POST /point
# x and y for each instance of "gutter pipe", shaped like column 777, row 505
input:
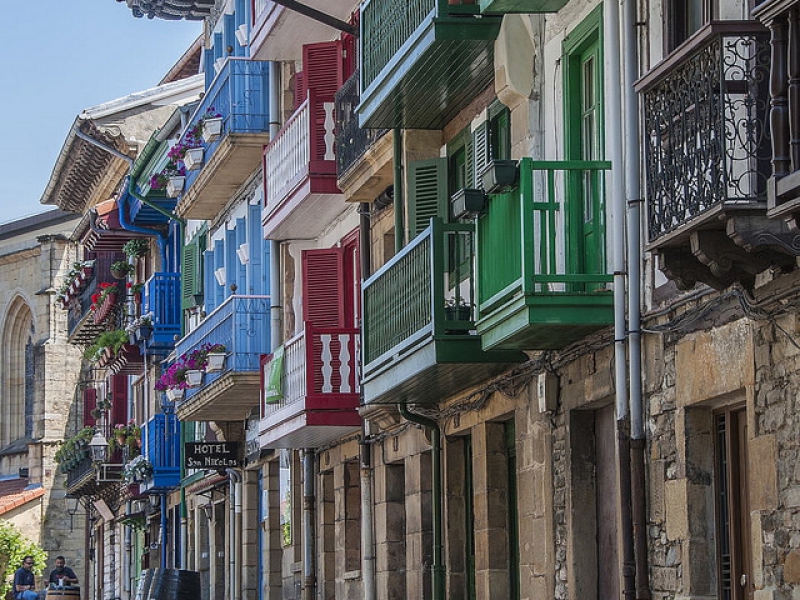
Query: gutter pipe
column 309, row 531
column 399, row 227
column 235, row 520
column 437, row 568
column 368, row 558
column 612, row 39
column 275, row 295
column 634, row 202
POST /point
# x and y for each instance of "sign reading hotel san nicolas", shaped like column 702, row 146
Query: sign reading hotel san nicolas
column 211, row 455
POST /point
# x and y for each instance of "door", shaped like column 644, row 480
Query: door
column 583, row 113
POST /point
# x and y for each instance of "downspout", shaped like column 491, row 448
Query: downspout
column 309, row 518
column 367, row 516
column 235, row 547
column 126, row 562
column 164, row 531
column 634, row 201
column 437, row 568
column 612, row 26
column 399, row 217
column 275, row 295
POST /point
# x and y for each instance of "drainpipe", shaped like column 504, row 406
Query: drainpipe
column 309, row 499
column 275, row 296
column 632, row 184
column 436, row 474
column 235, row 523
column 164, row 531
column 126, row 561
column 367, row 516
column 611, row 19
column 399, row 217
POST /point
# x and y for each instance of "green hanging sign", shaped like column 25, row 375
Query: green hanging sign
column 273, row 386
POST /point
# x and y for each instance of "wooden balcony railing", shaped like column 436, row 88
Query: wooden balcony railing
column 319, row 367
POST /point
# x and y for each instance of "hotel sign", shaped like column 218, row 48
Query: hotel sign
column 211, row 455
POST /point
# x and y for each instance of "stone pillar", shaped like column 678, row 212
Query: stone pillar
column 419, row 532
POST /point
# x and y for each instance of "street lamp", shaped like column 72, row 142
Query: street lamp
column 98, row 446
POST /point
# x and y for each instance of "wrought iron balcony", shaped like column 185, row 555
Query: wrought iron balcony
column 707, row 153
column 363, row 165
column 422, row 61
column 83, row 323
column 161, row 447
column 300, row 173
column 242, row 324
column 415, row 350
column 88, row 478
column 536, row 293
column 320, row 390
column 239, row 93
column 782, row 17
column 161, row 298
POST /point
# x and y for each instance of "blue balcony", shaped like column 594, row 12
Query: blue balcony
column 242, row 324
column 239, row 93
column 162, row 297
column 161, row 445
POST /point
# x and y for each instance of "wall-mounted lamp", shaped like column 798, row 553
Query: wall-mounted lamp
column 98, row 446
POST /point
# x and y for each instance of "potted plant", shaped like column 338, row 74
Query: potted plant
column 212, row 125
column 136, row 247
column 120, row 269
column 457, row 309
column 215, row 357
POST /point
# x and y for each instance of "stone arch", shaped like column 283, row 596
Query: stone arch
column 17, row 379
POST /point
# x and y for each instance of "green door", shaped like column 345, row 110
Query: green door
column 583, row 113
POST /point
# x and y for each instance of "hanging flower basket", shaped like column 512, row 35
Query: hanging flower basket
column 193, row 159
column 175, row 185
column 194, row 377
column 212, row 129
column 216, row 361
column 175, row 394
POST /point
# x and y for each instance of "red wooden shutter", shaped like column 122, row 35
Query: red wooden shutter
column 300, row 89
column 89, row 404
column 323, row 287
column 119, row 399
column 323, row 68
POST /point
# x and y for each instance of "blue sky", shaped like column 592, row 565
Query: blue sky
column 64, row 56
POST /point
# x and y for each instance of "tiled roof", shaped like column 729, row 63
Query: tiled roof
column 16, row 492
column 193, row 10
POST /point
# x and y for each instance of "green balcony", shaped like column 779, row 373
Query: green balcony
column 420, row 344
column 494, row 7
column 542, row 275
column 422, row 61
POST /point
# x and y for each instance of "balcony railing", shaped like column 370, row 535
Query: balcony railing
column 80, row 321
column 162, row 293
column 783, row 19
column 161, row 445
column 240, row 94
column 319, row 368
column 539, row 288
column 242, row 325
column 351, row 140
column 408, row 296
column 92, row 478
column 706, row 126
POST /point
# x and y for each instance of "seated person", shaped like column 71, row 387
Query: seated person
column 62, row 575
column 24, row 581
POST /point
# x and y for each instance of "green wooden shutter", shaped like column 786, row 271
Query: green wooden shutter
column 480, row 155
column 427, row 193
column 192, row 270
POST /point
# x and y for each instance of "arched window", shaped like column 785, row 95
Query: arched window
column 17, row 381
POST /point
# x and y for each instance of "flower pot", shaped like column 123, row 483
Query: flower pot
column 175, row 394
column 119, row 273
column 212, row 129
column 194, row 377
column 175, row 186
column 193, row 158
column 216, row 361
column 144, row 332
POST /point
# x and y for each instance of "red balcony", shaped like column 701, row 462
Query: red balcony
column 319, row 389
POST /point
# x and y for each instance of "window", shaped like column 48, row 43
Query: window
column 684, row 17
